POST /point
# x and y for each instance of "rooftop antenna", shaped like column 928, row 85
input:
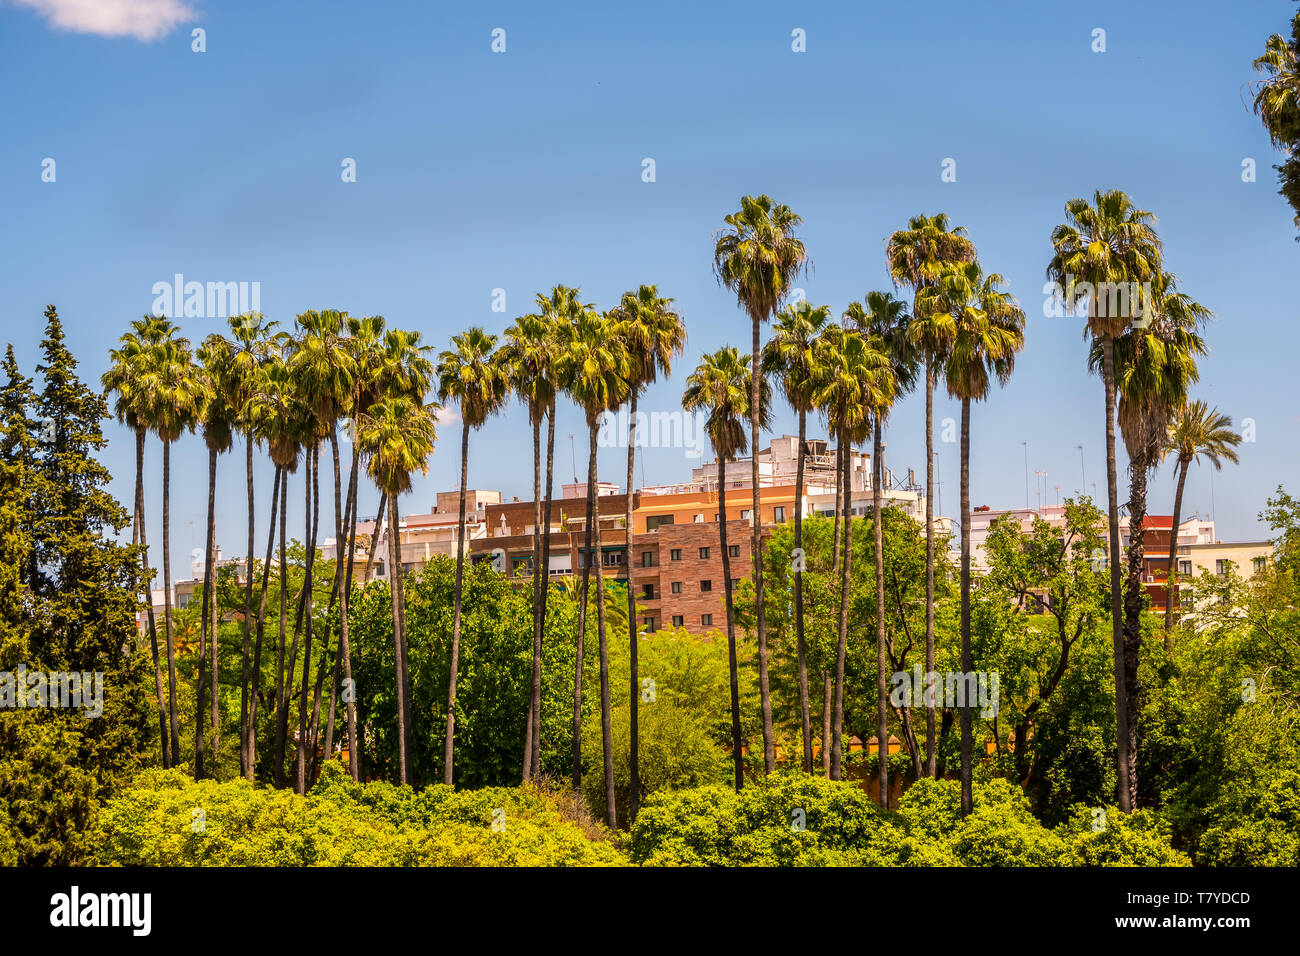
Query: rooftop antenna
column 573, row 455
column 1083, row 471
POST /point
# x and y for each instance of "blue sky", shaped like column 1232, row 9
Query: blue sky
column 519, row 170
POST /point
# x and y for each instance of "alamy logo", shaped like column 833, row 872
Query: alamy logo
column 55, row 689
column 211, row 300
column 102, row 909
column 946, row 689
column 673, row 429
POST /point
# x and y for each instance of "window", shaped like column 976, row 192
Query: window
column 704, row 554
column 778, row 514
column 677, row 587
column 675, row 554
column 699, row 519
column 648, row 592
column 706, row 585
column 1258, row 564
column 649, row 623
column 733, row 550
column 735, row 583
column 678, row 620
column 744, row 515
column 649, row 559
column 1184, row 567
column 706, row 620
column 1221, row 568
column 612, row 559
column 653, row 522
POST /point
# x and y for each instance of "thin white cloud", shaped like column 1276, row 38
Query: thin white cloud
column 446, row 415
column 143, row 19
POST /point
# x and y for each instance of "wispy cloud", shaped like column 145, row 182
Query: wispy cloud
column 143, row 19
column 446, row 415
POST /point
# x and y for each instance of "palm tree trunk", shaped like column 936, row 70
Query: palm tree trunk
column 345, row 521
column 538, row 593
column 1116, row 611
column 399, row 643
column 350, row 696
column 450, row 741
column 582, row 633
column 311, row 516
column 882, row 681
column 733, row 668
column 634, row 768
column 804, row 713
column 835, row 508
column 826, row 724
column 148, row 592
column 245, row 757
column 277, row 776
column 546, row 588
column 1137, row 506
column 967, row 800
column 1171, row 587
column 167, row 603
column 837, row 728
column 929, row 562
column 207, row 632
column 756, row 549
column 374, row 536
column 250, row 731
column 606, row 730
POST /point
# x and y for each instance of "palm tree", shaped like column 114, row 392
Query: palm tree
column 789, row 355
column 248, row 351
column 1155, row 365
column 1196, row 430
column 1277, row 103
column 916, row 257
column 757, row 257
column 989, row 331
column 1104, row 243
column 594, row 370
column 397, row 434
column 125, row 378
column 854, row 379
column 175, row 397
column 885, row 319
column 475, row 378
column 722, row 386
column 277, row 416
column 216, row 415
column 529, row 356
column 653, row 333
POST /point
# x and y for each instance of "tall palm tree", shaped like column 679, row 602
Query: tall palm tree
column 216, row 416
column 277, row 414
column 397, row 435
column 916, row 256
column 125, row 378
column 594, row 371
column 758, row 257
column 653, row 333
column 1277, row 103
column 722, row 386
column 530, row 354
column 854, row 379
column 885, row 319
column 989, row 331
column 175, row 397
column 473, row 376
column 249, row 346
column 1102, row 243
column 1196, row 431
column 789, row 356
column 1155, row 366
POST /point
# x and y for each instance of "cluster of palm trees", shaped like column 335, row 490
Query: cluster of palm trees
column 289, row 392
column 293, row 391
